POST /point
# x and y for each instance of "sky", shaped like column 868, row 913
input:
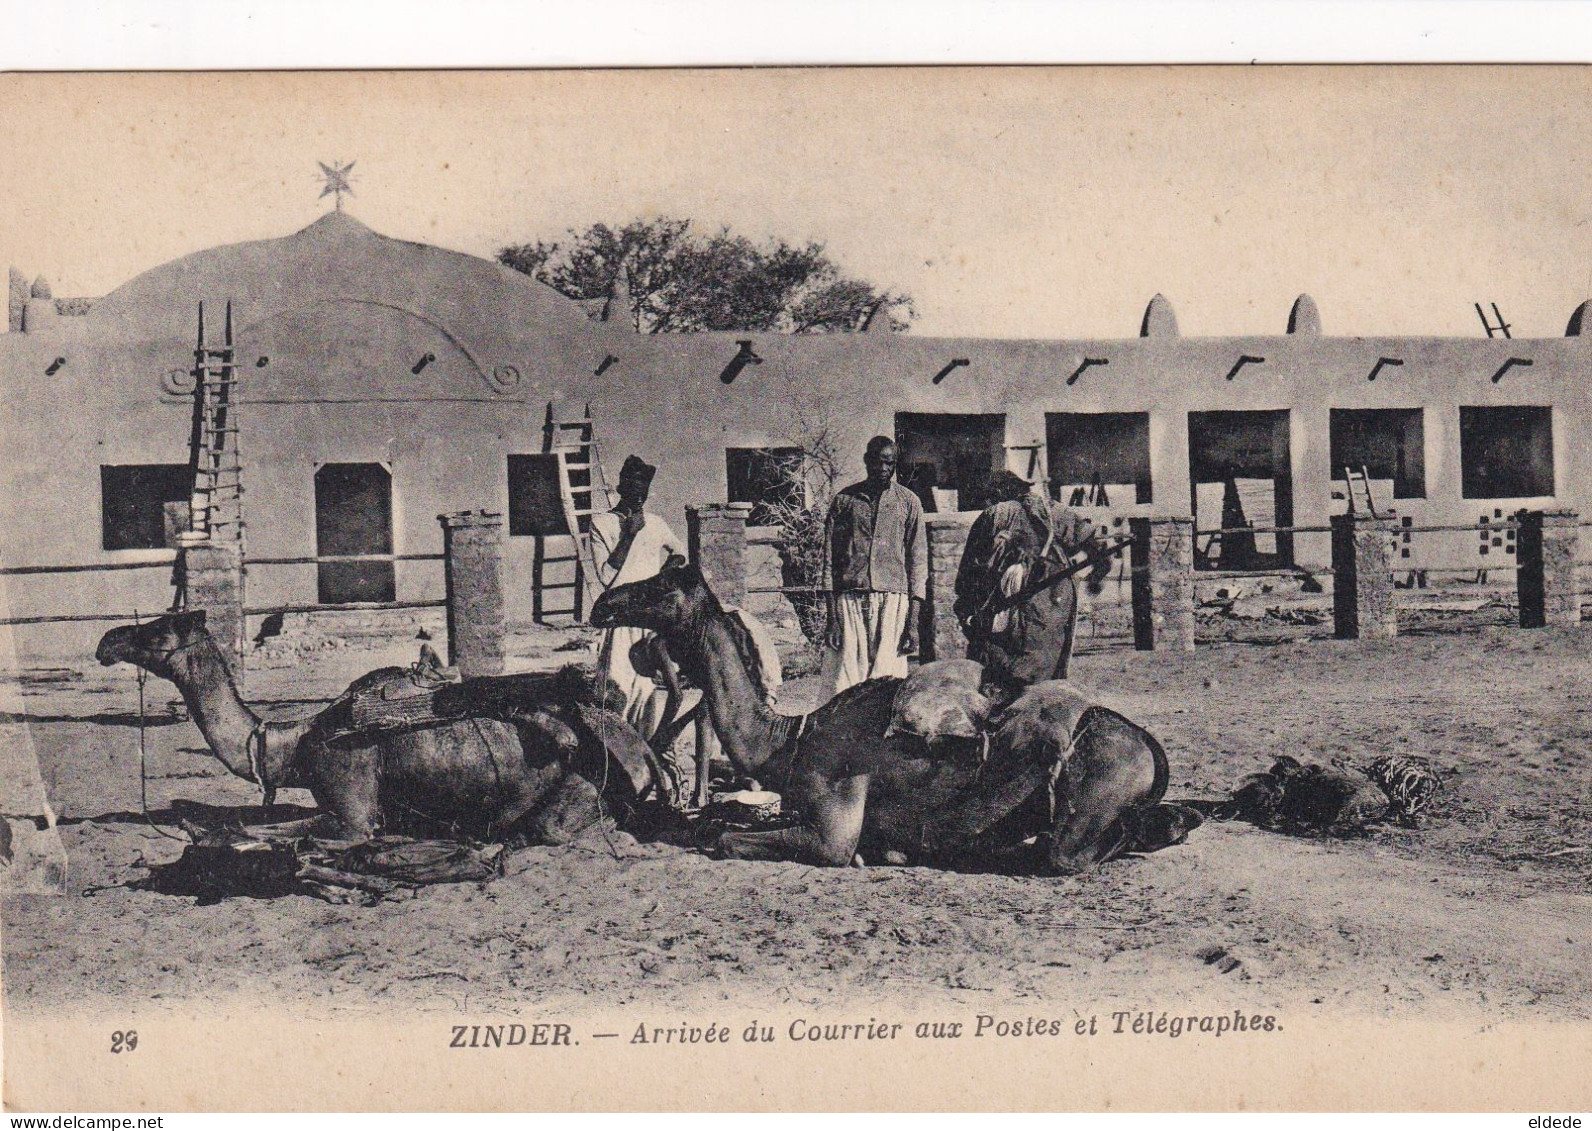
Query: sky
column 1022, row 202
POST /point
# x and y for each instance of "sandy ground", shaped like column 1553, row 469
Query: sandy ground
column 1481, row 913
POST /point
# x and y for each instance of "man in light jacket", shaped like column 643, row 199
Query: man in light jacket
column 875, row 574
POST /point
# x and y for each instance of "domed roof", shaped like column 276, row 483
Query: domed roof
column 336, row 257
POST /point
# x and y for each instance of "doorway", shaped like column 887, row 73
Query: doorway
column 353, row 520
column 1241, row 479
column 1098, row 458
column 947, row 458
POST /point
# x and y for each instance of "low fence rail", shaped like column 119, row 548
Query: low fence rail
column 1159, row 574
column 101, row 567
column 347, row 607
column 1379, row 568
column 171, row 562
column 164, row 563
column 1371, row 555
column 213, row 581
column 325, row 560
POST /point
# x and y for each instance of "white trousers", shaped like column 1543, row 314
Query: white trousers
column 871, row 625
column 644, row 699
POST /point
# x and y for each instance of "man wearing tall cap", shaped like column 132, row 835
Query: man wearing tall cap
column 629, row 544
column 875, row 572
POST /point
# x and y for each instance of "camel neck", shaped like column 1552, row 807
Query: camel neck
column 217, row 709
column 746, row 727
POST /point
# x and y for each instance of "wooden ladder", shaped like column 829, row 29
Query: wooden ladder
column 216, row 507
column 582, row 489
column 1360, row 500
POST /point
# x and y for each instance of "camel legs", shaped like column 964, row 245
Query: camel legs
column 351, row 792
column 572, row 807
column 998, row 791
column 834, row 813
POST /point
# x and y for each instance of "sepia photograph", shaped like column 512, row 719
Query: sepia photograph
column 797, row 588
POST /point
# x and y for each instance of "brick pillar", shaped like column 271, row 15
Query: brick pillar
column 1362, row 578
column 213, row 582
column 1163, row 583
column 716, row 535
column 941, row 636
column 472, row 547
column 1546, row 543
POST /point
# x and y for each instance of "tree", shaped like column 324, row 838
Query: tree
column 667, row 279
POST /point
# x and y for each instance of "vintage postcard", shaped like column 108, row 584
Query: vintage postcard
column 1043, row 588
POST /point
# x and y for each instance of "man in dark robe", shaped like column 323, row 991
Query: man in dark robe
column 1015, row 606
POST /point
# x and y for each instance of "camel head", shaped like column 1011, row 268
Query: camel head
column 676, row 598
column 153, row 644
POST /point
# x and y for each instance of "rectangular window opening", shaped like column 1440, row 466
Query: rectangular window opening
column 1098, row 458
column 948, row 458
column 1388, row 443
column 353, row 518
column 770, row 479
column 536, row 501
column 144, row 506
column 1506, row 452
column 1241, row 477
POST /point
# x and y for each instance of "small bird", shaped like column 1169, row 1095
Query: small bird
column 269, row 627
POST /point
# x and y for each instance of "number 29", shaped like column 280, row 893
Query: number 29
column 124, row 1042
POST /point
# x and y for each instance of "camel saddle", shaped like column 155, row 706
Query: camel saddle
column 398, row 699
column 942, row 707
column 941, row 700
column 402, row 699
column 948, row 706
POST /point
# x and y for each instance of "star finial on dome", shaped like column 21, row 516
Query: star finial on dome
column 338, row 178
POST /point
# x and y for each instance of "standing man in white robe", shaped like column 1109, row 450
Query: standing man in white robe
column 876, row 573
column 630, row 544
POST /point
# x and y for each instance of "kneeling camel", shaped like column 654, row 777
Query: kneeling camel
column 537, row 755
column 1080, row 777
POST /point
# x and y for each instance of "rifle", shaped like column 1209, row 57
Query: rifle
column 995, row 604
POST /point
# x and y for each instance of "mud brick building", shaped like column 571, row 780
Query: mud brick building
column 386, row 382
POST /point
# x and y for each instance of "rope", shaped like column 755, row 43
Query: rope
column 255, row 749
column 602, row 788
column 785, row 735
column 143, row 772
